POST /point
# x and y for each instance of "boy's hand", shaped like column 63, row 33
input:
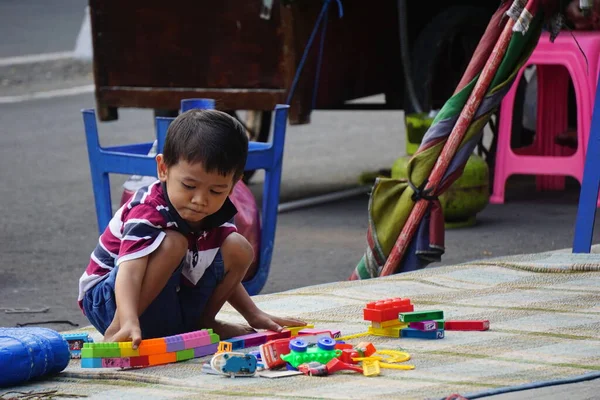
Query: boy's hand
column 262, row 320
column 129, row 332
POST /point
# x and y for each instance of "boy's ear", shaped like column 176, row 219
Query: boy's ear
column 161, row 168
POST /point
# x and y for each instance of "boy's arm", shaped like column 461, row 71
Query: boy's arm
column 258, row 319
column 128, row 286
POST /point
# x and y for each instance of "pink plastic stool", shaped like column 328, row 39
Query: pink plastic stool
column 555, row 63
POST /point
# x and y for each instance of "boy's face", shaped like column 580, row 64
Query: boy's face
column 194, row 192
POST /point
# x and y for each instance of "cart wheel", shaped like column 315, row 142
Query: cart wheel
column 298, row 345
column 326, row 343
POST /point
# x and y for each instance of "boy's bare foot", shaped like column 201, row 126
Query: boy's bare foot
column 227, row 330
column 113, row 328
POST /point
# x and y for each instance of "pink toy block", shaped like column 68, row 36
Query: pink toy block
column 555, row 63
column 195, row 339
column 175, row 343
column 314, row 331
column 116, row 362
column 206, row 350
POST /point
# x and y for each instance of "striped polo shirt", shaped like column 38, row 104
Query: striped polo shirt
column 138, row 228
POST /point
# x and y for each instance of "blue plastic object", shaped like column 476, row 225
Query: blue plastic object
column 28, row 353
column 134, row 160
column 298, row 345
column 586, row 212
column 326, row 343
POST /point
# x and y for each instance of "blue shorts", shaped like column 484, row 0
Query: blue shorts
column 177, row 308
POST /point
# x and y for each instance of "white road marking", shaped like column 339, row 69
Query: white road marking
column 49, row 94
column 35, row 58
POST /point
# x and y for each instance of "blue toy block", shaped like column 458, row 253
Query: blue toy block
column 91, row 363
column 134, row 160
column 236, row 343
column 417, row 334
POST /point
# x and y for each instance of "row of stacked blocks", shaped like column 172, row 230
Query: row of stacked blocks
column 170, row 349
column 397, row 318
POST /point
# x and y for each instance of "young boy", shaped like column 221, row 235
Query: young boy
column 170, row 258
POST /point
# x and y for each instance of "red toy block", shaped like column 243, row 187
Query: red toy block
column 253, row 339
column 482, row 325
column 386, row 310
column 272, row 335
column 342, row 346
column 365, row 348
column 348, row 355
column 140, row 361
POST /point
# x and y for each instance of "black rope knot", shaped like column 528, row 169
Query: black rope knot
column 421, row 193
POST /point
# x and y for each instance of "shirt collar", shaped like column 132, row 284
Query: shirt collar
column 224, row 214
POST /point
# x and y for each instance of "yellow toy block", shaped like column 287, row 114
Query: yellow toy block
column 224, row 347
column 295, row 329
column 388, row 324
column 393, row 331
column 127, row 350
column 371, row 368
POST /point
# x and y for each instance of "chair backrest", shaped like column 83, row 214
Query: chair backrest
column 134, row 160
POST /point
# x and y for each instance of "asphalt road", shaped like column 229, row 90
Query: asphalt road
column 39, row 26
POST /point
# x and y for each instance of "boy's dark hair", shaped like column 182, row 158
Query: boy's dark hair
column 211, row 137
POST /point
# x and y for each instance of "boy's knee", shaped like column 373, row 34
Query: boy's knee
column 237, row 253
column 175, row 244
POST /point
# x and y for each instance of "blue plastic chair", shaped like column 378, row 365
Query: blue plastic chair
column 586, row 213
column 134, row 160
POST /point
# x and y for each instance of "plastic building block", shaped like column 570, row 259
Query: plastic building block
column 387, row 324
column 253, row 339
column 424, row 325
column 127, row 350
column 348, row 356
column 393, row 331
column 152, row 346
column 482, row 325
column 100, row 350
column 440, row 323
column 140, row 361
column 174, row 343
column 76, row 342
column 342, row 346
column 310, row 354
column 236, row 343
column 224, row 347
column 91, row 363
column 416, row 316
column 386, row 310
column 214, row 338
column 205, row 350
column 312, row 331
column 365, row 349
column 164, row 358
column 196, row 339
column 295, row 329
column 272, row 335
column 415, row 333
column 116, row 362
column 371, row 368
column 183, row 355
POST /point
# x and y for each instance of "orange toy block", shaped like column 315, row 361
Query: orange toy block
column 160, row 359
column 386, row 310
column 152, row 346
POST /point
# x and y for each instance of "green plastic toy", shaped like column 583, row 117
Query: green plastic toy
column 301, row 354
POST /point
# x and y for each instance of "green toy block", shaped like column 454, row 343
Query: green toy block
column 101, row 350
column 214, row 338
column 185, row 355
column 440, row 323
column 416, row 316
